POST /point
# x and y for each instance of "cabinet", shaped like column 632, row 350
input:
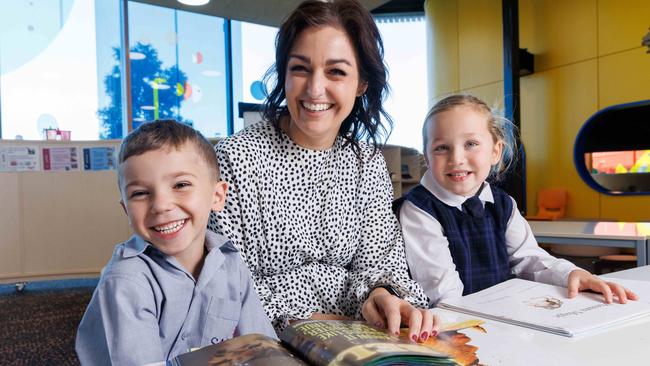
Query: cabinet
column 405, row 166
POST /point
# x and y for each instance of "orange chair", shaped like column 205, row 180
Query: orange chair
column 551, row 204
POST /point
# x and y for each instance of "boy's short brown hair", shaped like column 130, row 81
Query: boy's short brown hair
column 166, row 133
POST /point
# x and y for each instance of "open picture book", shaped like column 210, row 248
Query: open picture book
column 547, row 308
column 337, row 342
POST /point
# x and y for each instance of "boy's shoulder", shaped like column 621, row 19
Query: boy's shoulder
column 126, row 259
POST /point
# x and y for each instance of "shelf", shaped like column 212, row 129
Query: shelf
column 401, row 160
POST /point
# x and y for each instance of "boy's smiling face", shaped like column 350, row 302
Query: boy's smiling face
column 168, row 194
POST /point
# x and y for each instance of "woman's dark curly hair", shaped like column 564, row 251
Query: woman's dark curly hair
column 365, row 120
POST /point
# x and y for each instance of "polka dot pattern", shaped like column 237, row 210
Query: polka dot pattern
column 315, row 227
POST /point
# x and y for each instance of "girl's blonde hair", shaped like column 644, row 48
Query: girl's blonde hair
column 501, row 129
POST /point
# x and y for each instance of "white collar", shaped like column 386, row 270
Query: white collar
column 452, row 199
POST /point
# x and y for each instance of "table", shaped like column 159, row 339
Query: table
column 597, row 233
column 504, row 344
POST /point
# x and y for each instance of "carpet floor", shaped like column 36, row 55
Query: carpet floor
column 38, row 326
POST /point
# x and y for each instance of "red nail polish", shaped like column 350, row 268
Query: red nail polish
column 424, row 336
column 414, row 338
column 379, row 325
column 434, row 333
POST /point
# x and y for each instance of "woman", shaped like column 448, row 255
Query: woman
column 309, row 205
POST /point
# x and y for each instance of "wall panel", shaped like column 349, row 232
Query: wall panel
column 621, row 24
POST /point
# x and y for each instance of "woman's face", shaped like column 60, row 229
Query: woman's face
column 321, row 85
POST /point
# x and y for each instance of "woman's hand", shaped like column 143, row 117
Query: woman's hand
column 581, row 280
column 385, row 310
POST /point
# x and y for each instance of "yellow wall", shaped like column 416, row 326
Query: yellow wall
column 588, row 56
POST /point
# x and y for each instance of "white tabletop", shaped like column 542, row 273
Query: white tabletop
column 589, row 229
column 638, row 273
column 506, row 344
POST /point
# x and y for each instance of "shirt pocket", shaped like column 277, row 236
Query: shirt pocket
column 221, row 319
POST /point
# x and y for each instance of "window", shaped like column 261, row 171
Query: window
column 48, row 66
column 253, row 50
column 406, row 57
column 60, row 68
column 177, row 69
column 64, row 71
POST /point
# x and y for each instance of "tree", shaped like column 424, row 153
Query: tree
column 155, row 92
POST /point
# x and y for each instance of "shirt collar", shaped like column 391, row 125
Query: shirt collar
column 136, row 245
column 449, row 198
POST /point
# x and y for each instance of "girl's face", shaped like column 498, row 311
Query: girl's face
column 461, row 149
column 321, row 85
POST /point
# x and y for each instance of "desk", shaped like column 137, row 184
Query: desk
column 596, row 233
column 504, row 344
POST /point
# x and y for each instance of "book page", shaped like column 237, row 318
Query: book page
column 331, row 342
column 546, row 307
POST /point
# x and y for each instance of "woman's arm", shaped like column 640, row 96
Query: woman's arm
column 380, row 260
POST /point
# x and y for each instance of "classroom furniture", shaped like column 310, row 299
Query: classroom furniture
column 595, row 233
column 510, row 345
column 405, row 166
column 614, row 262
column 551, row 204
column 58, row 224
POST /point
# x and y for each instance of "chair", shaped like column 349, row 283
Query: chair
column 551, row 204
column 614, row 262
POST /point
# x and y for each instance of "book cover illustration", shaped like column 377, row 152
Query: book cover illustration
column 250, row 350
column 456, row 344
column 335, row 343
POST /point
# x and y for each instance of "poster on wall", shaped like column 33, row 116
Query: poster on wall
column 18, row 159
column 58, row 159
column 99, row 158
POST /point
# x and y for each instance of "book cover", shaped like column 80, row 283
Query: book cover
column 250, row 349
column 547, row 308
column 323, row 342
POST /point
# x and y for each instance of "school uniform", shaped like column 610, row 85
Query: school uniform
column 147, row 308
column 454, row 248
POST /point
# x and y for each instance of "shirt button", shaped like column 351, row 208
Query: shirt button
column 184, row 336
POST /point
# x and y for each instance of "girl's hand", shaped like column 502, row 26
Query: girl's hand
column 388, row 311
column 581, row 280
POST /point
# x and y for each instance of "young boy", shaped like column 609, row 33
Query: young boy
column 173, row 286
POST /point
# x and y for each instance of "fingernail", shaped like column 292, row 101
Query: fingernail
column 379, row 324
column 396, row 333
column 414, row 338
column 424, row 336
column 434, row 333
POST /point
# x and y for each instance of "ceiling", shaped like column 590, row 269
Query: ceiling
column 267, row 12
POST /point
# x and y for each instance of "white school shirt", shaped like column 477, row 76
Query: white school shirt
column 430, row 261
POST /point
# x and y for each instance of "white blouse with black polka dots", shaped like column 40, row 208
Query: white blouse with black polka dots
column 315, row 227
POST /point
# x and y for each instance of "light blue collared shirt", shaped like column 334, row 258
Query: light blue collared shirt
column 147, row 308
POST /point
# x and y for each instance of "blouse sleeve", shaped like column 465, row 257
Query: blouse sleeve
column 380, row 259
column 229, row 222
column 428, row 255
column 528, row 260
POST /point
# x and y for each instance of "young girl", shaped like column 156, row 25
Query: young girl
column 463, row 235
